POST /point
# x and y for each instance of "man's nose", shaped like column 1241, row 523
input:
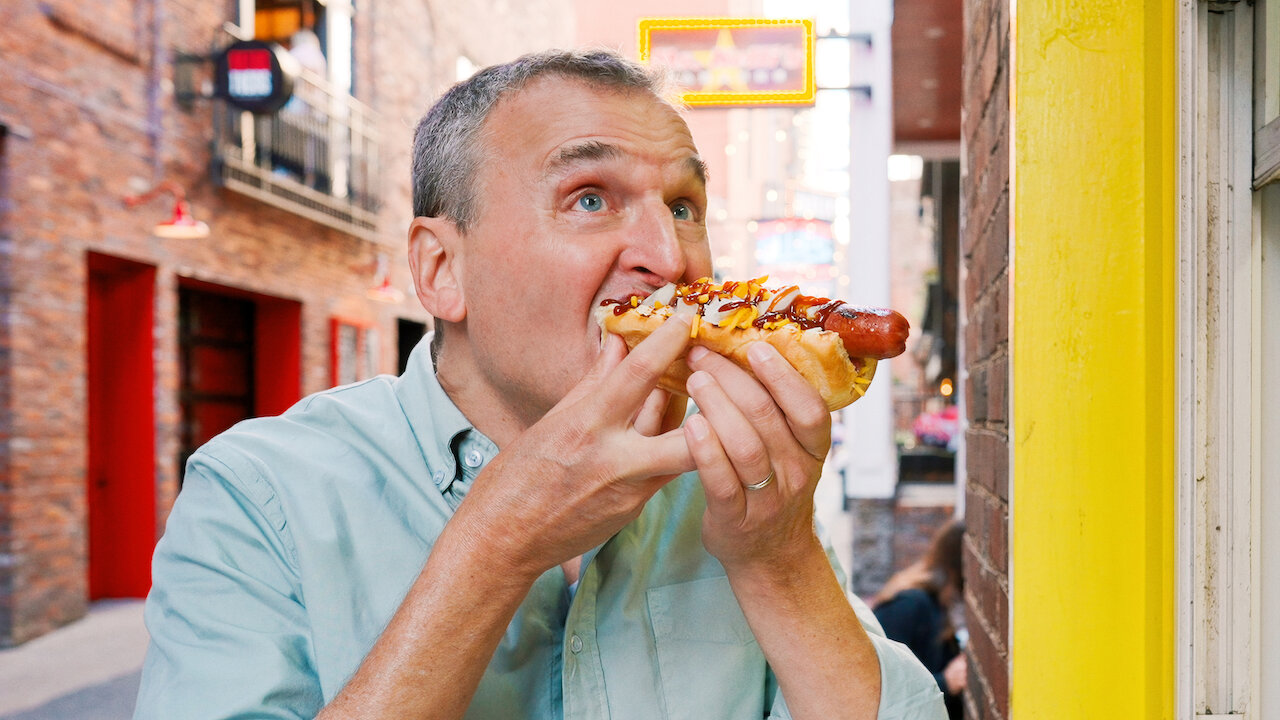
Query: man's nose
column 654, row 245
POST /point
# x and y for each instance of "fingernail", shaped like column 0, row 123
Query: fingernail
column 697, row 352
column 760, row 352
column 697, row 427
column 699, row 379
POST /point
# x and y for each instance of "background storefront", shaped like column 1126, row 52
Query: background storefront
column 122, row 349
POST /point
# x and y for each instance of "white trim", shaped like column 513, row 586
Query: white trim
column 1190, row 83
column 1266, row 657
column 1216, row 464
column 247, row 9
column 1267, row 660
column 929, row 149
column 1267, row 85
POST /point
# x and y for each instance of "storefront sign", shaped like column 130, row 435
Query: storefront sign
column 255, row 76
column 733, row 61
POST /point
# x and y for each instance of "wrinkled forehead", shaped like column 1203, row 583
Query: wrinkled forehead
column 572, row 155
column 559, row 121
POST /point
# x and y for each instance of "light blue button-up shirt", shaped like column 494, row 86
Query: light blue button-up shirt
column 295, row 539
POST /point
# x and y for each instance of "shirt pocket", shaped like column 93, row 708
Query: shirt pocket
column 709, row 661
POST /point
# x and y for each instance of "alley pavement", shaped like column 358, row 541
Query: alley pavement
column 87, row 670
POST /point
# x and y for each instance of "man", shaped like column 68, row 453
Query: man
column 372, row 554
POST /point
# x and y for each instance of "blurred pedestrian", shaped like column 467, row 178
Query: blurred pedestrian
column 300, row 134
column 304, row 46
column 917, row 605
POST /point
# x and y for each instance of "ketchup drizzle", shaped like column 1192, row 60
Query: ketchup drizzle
column 799, row 312
column 624, row 304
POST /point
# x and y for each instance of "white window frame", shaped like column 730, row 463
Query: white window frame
column 1266, row 116
column 1224, row 661
column 1266, row 176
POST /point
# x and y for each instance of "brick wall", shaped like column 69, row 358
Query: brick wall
column 873, row 534
column 914, row 524
column 985, row 297
column 92, row 94
column 6, row 289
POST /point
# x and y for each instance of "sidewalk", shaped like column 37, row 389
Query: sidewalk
column 87, row 670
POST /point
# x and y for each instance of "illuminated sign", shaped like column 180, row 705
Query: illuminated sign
column 733, row 61
column 255, row 76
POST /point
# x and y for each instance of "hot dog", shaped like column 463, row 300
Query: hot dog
column 834, row 345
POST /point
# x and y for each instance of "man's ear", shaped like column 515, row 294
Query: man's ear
column 436, row 263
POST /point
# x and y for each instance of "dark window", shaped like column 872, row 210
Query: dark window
column 408, row 333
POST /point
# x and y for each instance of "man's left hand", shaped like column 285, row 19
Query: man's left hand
column 748, row 429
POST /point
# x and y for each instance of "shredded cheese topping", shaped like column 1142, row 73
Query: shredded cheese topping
column 731, row 304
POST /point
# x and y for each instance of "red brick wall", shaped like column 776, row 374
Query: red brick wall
column 79, row 80
column 6, row 409
column 914, row 525
column 985, row 297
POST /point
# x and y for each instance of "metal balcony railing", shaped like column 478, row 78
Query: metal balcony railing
column 316, row 157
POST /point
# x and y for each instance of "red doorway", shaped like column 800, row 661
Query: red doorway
column 240, row 356
column 121, row 492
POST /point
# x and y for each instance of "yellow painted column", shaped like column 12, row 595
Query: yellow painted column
column 1093, row 201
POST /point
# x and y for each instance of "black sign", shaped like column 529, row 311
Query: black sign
column 256, row 76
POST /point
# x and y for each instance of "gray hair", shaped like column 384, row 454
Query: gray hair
column 447, row 144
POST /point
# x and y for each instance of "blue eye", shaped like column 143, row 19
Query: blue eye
column 682, row 211
column 591, row 202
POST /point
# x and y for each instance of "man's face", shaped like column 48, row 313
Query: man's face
column 583, row 194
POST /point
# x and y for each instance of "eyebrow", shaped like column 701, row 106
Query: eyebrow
column 698, row 168
column 594, row 150
column 591, row 151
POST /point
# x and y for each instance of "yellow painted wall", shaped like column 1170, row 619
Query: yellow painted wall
column 1092, row 359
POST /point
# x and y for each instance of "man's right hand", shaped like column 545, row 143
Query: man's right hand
column 588, row 467
column 565, row 485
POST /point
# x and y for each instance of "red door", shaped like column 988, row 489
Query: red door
column 216, row 355
column 121, row 476
column 239, row 355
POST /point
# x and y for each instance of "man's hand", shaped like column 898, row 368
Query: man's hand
column 748, row 430
column 564, row 486
column 588, row 467
column 776, row 425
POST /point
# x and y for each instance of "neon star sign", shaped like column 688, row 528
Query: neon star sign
column 733, row 61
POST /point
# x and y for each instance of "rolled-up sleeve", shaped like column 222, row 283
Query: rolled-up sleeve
column 229, row 636
column 907, row 690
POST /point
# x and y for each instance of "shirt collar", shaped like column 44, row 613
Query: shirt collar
column 451, row 446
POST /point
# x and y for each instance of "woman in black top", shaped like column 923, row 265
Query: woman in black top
column 914, row 607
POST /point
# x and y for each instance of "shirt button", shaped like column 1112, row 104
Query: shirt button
column 473, row 459
column 438, row 476
column 575, row 644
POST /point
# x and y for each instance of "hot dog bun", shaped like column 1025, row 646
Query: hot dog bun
column 819, row 355
column 731, row 316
